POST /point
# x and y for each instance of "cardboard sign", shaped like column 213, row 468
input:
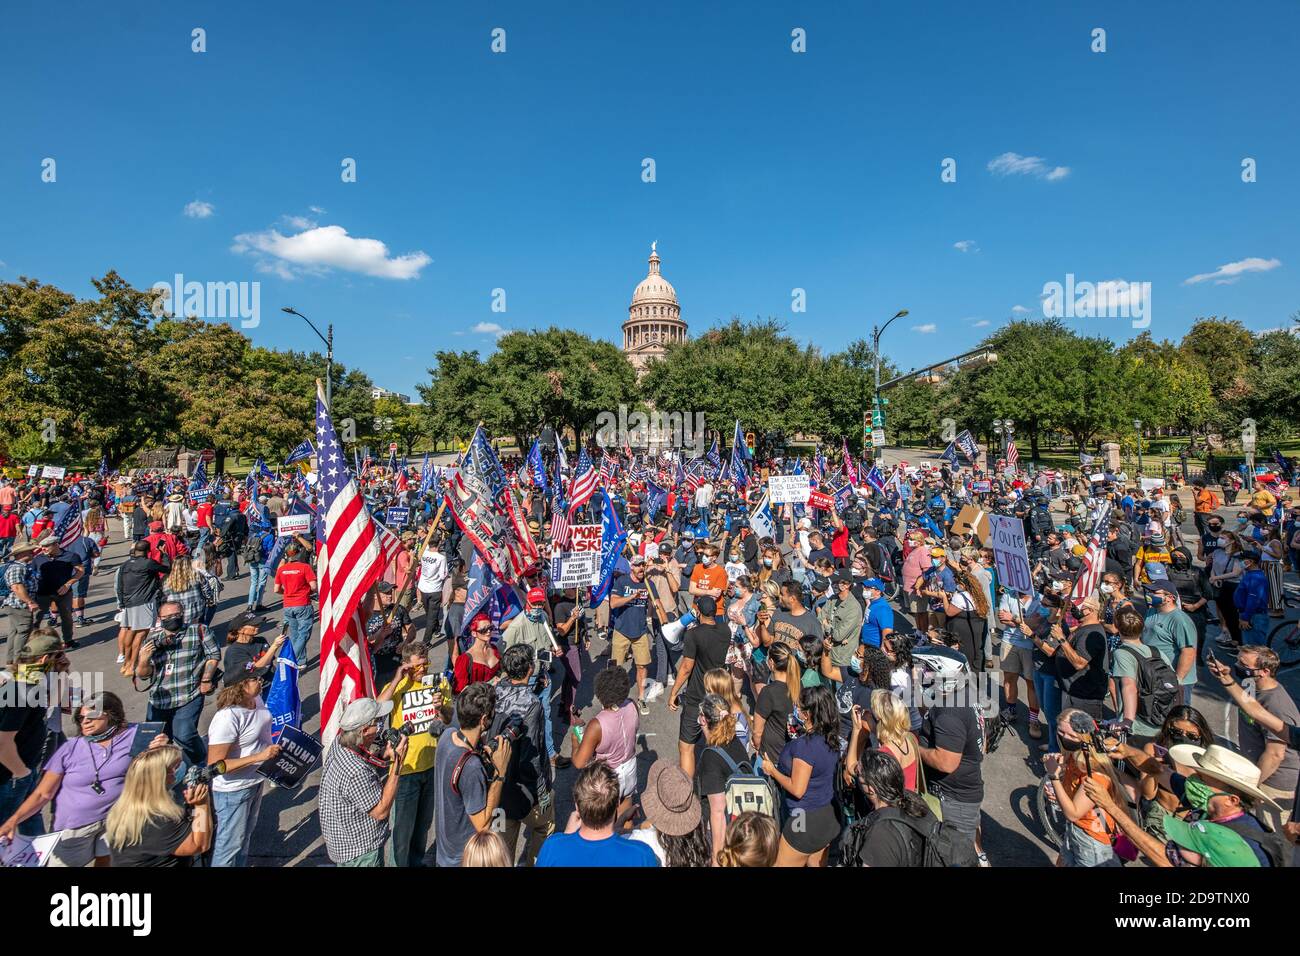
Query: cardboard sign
column 293, row 524
column 33, row 471
column 397, row 517
column 53, row 471
column 298, row 755
column 788, row 489
column 974, row 520
column 570, row 570
column 818, row 499
column 1008, row 540
column 584, row 538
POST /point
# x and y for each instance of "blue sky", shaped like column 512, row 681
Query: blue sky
column 775, row 170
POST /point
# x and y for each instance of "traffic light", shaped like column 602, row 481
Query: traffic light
column 749, row 442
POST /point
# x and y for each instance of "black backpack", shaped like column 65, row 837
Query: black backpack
column 941, row 845
column 1157, row 686
column 252, row 549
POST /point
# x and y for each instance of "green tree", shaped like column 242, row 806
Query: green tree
column 453, row 399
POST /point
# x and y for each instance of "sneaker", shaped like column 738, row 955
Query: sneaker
column 70, row 644
column 1035, row 730
column 653, row 690
column 121, row 658
column 983, row 858
column 82, row 621
column 643, row 707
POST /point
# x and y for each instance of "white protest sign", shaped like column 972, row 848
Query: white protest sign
column 788, row 489
column 579, row 566
column 33, row 471
column 293, row 524
column 24, row 851
column 1149, row 483
column 1098, row 478
column 1008, row 539
column 53, row 471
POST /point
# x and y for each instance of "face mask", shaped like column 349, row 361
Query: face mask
column 1197, row 794
column 936, row 562
column 767, row 562
column 1070, row 746
column 1222, row 542
column 96, row 738
column 1157, row 600
column 735, row 559
column 706, row 560
column 535, row 615
column 855, row 664
column 173, row 622
column 1242, row 673
column 1107, row 589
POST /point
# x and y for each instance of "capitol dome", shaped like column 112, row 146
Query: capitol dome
column 653, row 318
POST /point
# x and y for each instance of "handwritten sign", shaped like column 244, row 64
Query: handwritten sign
column 788, row 489
column 1008, row 540
column 298, row 755
column 584, row 538
column 53, row 471
column 293, row 524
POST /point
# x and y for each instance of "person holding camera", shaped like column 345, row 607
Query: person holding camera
column 239, row 740
column 180, row 663
column 354, row 805
column 147, row 827
column 527, row 799
column 470, row 771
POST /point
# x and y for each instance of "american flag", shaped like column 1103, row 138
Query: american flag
column 607, row 470
column 584, row 483
column 1094, row 562
column 1013, row 455
column 638, row 470
column 348, row 565
column 850, row 471
column 819, row 467
column 68, row 530
column 559, row 514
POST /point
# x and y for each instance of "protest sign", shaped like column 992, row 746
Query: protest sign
column 788, row 489
column 293, row 524
column 973, row 520
column 818, row 499
column 981, row 487
column 1008, row 540
column 397, row 517
column 298, row 755
column 579, row 566
column 24, row 851
column 53, row 471
column 1149, row 484
column 33, row 471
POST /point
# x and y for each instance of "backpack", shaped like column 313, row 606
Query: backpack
column 252, row 550
column 1157, row 686
column 1271, row 842
column 746, row 790
column 941, row 845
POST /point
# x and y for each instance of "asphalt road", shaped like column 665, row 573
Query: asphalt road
column 288, row 833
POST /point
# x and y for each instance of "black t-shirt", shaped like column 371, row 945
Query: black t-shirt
column 158, row 841
column 707, row 645
column 889, row 842
column 1089, row 682
column 848, row 692
column 630, row 619
column 53, row 573
column 562, row 608
column 22, row 715
column 774, row 706
column 240, row 657
column 956, row 729
column 713, row 771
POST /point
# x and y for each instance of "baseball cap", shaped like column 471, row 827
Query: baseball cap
column 1219, row 846
column 875, row 583
column 708, row 607
column 636, row 560
column 843, row 577
column 385, row 587
column 937, row 552
column 1164, row 586
column 249, row 672
column 243, row 620
column 536, row 596
column 46, row 541
column 38, row 645
column 364, row 711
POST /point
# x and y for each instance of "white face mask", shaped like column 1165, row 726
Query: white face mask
column 1107, row 589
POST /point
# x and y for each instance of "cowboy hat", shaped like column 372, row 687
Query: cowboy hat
column 1225, row 766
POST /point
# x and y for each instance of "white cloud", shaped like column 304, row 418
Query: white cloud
column 983, row 323
column 1019, row 309
column 1013, row 164
column 489, row 328
column 925, row 329
column 198, row 209
column 1232, row 271
column 321, row 248
column 317, row 210
column 966, row 245
column 300, row 223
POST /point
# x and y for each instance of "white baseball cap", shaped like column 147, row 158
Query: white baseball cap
column 363, row 711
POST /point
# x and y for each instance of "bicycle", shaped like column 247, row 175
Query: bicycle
column 1284, row 639
column 1047, row 809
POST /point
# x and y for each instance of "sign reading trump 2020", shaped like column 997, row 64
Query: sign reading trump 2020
column 298, row 755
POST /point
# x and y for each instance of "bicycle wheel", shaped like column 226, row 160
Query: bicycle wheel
column 1285, row 641
column 1050, row 815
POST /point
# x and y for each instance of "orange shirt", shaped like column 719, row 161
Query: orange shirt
column 1098, row 824
column 1204, row 501
column 710, row 577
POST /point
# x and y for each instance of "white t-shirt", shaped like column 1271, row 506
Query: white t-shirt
column 191, row 517
column 433, row 571
column 250, row 731
column 650, row 837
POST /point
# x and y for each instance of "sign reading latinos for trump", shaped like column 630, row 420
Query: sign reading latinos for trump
column 293, row 524
column 298, row 755
column 789, row 489
column 1008, row 539
column 580, row 565
column 53, row 471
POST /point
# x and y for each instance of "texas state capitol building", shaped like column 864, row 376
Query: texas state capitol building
column 653, row 319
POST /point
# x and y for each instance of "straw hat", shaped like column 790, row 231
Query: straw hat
column 1225, row 766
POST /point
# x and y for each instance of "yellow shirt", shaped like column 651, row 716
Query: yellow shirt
column 1263, row 500
column 414, row 701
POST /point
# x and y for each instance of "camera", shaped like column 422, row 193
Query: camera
column 196, row 775
column 511, row 731
column 393, row 735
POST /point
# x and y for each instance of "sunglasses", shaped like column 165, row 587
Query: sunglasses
column 85, row 717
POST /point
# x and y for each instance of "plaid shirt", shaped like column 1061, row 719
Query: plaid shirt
column 349, row 789
column 179, row 670
column 194, row 600
column 15, row 573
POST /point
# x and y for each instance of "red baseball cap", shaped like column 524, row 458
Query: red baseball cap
column 536, row 596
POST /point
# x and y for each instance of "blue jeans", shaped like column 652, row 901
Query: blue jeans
column 1257, row 633
column 236, row 812
column 1082, row 850
column 412, row 819
column 1049, row 704
column 181, row 724
column 12, row 795
column 545, row 693
column 300, row 621
column 257, row 575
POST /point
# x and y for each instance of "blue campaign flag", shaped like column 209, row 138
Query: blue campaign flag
column 392, row 460
column 761, row 521
column 199, row 480
column 538, row 467
column 260, row 469
column 302, row 452
column 950, row 454
column 738, row 444
column 713, row 457
column 612, row 539
column 876, row 480
column 843, row 496
column 480, row 584
column 655, row 499
column 283, row 699
column 739, row 474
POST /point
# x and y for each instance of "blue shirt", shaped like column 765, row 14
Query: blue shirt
column 571, row 849
column 880, row 616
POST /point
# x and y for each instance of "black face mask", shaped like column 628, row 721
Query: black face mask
column 1242, row 673
column 173, row 622
column 1070, row 746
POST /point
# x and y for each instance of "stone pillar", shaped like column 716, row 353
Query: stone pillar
column 1110, row 456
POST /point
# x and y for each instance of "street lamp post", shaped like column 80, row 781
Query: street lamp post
column 876, row 333
column 1137, row 427
column 329, row 352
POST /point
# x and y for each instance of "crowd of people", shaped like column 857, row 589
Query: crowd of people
column 837, row 676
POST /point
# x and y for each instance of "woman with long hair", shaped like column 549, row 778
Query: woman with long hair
column 719, row 681
column 776, row 703
column 239, row 741
column 752, row 841
column 967, row 611
column 674, row 825
column 147, row 827
column 886, row 843
column 723, row 754
column 189, row 589
column 1226, row 569
column 486, row 849
column 894, row 733
column 1272, row 554
column 806, row 773
column 95, row 525
column 1090, row 837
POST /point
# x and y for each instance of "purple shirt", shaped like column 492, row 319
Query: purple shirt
column 77, row 804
